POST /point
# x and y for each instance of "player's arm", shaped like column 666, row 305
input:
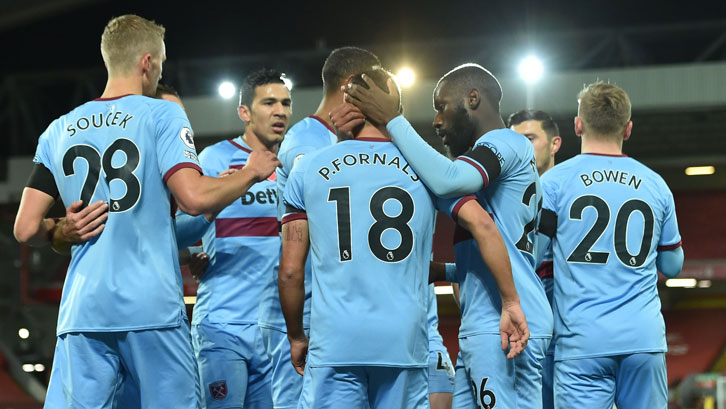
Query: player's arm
column 670, row 262
column 32, row 228
column 442, row 176
column 291, row 283
column 79, row 225
column 513, row 324
column 197, row 194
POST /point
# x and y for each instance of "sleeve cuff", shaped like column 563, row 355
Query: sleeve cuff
column 294, row 216
column 670, row 246
column 180, row 166
column 458, row 205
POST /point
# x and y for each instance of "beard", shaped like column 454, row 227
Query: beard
column 460, row 134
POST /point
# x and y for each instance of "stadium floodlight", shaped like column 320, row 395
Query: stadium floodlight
column 681, row 282
column 227, row 90
column 39, row 367
column 190, row 299
column 23, row 333
column 531, row 69
column 28, row 367
column 406, row 77
column 700, row 170
column 288, row 82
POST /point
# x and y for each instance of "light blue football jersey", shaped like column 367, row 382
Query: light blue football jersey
column 243, row 243
column 512, row 196
column 613, row 214
column 308, row 135
column 122, row 151
column 371, row 222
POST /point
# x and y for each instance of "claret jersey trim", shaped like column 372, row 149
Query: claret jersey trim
column 606, row 154
column 246, row 227
column 112, row 98
column 670, row 247
column 319, row 119
column 180, row 166
column 239, row 146
column 478, row 168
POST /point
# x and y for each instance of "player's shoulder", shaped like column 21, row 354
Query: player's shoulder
column 503, row 136
column 646, row 173
column 308, row 131
column 162, row 108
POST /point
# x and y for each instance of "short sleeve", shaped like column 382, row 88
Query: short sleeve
column 41, row 151
column 294, row 195
column 493, row 155
column 670, row 237
column 451, row 207
column 175, row 140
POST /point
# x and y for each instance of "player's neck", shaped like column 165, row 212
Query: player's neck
column 601, row 146
column 118, row 86
column 486, row 124
column 256, row 144
column 371, row 132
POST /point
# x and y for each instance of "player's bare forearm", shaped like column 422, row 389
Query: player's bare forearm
column 31, row 227
column 491, row 247
column 291, row 279
column 196, row 194
column 437, row 271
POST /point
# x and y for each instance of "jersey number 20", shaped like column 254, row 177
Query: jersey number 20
column 96, row 162
column 383, row 222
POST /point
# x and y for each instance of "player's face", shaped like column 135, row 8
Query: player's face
column 452, row 122
column 270, row 113
column 153, row 75
column 542, row 146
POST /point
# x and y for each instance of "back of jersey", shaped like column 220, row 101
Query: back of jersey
column 612, row 214
column 512, row 195
column 371, row 223
column 121, row 151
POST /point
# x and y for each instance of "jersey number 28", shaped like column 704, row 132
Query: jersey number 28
column 96, row 162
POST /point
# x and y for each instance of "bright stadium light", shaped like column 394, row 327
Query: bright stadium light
column 704, row 283
column 681, row 282
column 227, row 90
column 288, row 83
column 23, row 333
column 39, row 367
column 531, row 69
column 406, row 77
column 28, row 367
column 190, row 299
column 700, row 170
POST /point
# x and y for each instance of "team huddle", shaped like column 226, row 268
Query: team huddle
column 318, row 241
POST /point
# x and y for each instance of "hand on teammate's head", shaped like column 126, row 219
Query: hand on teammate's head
column 346, row 118
column 378, row 106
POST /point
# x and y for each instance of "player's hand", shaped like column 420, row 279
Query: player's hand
column 198, row 265
column 262, row 164
column 80, row 225
column 299, row 353
column 513, row 329
column 346, row 117
column 227, row 172
column 377, row 105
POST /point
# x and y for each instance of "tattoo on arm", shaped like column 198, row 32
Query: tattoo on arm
column 294, row 233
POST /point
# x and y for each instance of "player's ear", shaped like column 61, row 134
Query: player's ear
column 145, row 62
column 556, row 144
column 628, row 129
column 244, row 113
column 474, row 99
column 578, row 126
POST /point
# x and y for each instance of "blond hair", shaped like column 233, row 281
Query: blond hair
column 604, row 109
column 126, row 39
